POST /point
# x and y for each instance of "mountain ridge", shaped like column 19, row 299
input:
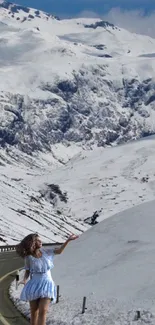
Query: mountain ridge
column 14, row 9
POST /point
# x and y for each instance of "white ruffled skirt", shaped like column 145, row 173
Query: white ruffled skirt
column 41, row 285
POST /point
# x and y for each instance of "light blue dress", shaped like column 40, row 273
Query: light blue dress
column 41, row 284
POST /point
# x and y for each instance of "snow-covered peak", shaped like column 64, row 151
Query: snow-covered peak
column 12, row 11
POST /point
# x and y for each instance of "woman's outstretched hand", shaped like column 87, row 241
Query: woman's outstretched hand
column 72, row 237
column 61, row 249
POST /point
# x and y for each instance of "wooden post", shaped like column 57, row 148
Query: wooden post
column 58, row 294
column 84, row 305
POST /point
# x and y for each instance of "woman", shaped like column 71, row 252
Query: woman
column 40, row 289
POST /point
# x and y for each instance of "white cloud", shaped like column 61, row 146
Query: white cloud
column 134, row 21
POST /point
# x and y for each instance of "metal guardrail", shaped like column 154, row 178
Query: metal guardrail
column 9, row 248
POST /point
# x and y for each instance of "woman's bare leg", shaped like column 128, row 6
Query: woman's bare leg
column 34, row 307
column 43, row 309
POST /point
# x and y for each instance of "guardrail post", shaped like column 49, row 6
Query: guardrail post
column 137, row 316
column 58, row 294
column 17, row 279
column 84, row 305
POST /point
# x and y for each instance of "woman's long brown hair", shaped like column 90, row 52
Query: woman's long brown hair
column 27, row 246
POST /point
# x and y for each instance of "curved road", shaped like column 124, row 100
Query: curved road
column 9, row 261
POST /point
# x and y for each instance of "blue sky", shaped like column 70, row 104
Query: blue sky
column 75, row 7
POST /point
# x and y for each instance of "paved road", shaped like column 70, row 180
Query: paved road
column 9, row 261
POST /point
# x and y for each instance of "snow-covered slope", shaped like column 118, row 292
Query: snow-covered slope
column 23, row 209
column 80, row 81
column 113, row 266
column 104, row 180
column 112, row 260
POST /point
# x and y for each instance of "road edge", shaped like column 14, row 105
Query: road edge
column 2, row 318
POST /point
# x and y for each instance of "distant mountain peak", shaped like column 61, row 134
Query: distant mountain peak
column 15, row 10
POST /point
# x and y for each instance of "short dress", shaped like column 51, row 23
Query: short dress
column 41, row 284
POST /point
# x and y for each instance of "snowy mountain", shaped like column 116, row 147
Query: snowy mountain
column 78, row 81
column 67, row 86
